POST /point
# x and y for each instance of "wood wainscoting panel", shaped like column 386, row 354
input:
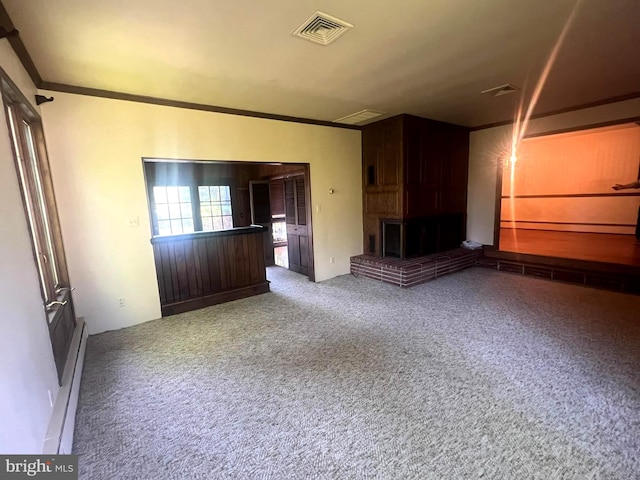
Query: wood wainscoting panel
column 387, row 203
column 205, row 268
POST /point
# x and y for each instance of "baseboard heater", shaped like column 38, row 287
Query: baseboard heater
column 59, row 439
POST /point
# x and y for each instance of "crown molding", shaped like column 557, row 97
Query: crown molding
column 597, row 103
column 8, row 31
column 130, row 97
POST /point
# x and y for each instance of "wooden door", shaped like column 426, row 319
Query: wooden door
column 261, row 215
column 297, row 224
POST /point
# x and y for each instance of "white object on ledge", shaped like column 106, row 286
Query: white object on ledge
column 471, row 245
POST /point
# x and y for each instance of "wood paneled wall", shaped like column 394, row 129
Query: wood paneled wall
column 415, row 171
column 269, row 170
column 206, row 268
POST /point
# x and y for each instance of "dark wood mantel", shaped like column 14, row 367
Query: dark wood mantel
column 199, row 269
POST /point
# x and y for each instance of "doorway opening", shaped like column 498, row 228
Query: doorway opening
column 280, row 250
column 281, row 204
column 276, row 196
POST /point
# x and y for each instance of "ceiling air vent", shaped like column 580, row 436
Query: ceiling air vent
column 359, row 117
column 501, row 90
column 322, row 28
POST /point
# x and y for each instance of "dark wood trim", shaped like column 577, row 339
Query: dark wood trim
column 575, row 195
column 14, row 93
column 45, row 225
column 13, row 36
column 590, row 126
column 32, row 209
column 568, row 263
column 307, row 193
column 216, row 298
column 130, row 97
column 51, row 203
column 226, row 162
column 61, row 332
column 571, row 223
column 498, row 204
column 201, row 235
column 589, row 276
column 288, row 174
column 597, row 103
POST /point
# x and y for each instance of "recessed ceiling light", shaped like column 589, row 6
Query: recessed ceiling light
column 322, row 28
column 359, row 117
column 501, row 90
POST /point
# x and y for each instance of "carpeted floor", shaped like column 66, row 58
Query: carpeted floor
column 479, row 374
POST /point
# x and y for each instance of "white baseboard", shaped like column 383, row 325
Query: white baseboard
column 59, row 439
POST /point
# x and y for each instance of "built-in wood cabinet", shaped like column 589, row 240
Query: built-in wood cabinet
column 415, row 184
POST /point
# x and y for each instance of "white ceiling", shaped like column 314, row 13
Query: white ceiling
column 426, row 57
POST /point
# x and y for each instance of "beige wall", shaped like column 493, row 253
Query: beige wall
column 487, row 146
column 95, row 148
column 27, row 370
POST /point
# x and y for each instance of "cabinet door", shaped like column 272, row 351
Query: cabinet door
column 390, row 159
column 455, row 171
column 296, row 219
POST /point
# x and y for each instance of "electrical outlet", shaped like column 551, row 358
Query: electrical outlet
column 133, row 221
column 50, row 398
column 332, row 259
column 121, row 302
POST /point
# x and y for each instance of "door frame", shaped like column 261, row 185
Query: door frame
column 289, row 169
column 306, row 171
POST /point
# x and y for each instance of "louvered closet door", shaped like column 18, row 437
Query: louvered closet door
column 297, row 230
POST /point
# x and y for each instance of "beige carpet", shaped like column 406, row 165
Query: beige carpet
column 479, row 374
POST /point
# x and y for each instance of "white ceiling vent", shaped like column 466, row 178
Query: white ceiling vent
column 359, row 117
column 322, row 28
column 501, row 90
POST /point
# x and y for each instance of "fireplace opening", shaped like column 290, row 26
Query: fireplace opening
column 391, row 239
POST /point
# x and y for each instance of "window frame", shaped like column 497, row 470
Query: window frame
column 213, row 203
column 169, row 204
column 26, row 136
column 160, row 173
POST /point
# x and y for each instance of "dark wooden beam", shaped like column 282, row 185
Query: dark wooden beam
column 8, row 30
column 604, row 101
column 130, row 97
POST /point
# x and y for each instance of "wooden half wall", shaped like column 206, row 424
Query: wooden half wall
column 206, row 268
